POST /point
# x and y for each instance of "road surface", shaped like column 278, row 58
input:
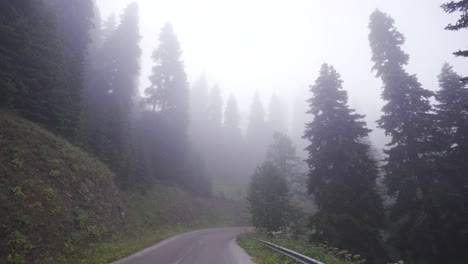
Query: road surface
column 209, row 246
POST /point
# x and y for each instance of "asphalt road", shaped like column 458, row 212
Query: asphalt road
column 209, row 246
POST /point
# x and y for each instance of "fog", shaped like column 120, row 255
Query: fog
column 277, row 47
column 340, row 125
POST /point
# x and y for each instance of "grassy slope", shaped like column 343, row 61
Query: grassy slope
column 263, row 255
column 58, row 204
column 53, row 196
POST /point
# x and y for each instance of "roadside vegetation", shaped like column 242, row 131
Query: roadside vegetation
column 262, row 255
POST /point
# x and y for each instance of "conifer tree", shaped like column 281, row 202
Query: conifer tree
column 408, row 121
column 342, row 174
column 168, row 92
column 168, row 97
column 452, row 120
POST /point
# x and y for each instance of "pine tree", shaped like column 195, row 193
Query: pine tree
column 408, row 121
column 168, row 92
column 453, row 182
column 168, row 97
column 342, row 174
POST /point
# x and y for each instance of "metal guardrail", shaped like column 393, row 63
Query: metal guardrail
column 289, row 253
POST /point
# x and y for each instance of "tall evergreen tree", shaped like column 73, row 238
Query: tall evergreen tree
column 342, row 174
column 168, row 92
column 409, row 170
column 168, row 97
column 452, row 186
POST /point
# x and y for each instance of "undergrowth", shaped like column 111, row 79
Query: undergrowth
column 263, row 255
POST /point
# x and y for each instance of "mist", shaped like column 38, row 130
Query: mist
column 330, row 127
column 277, row 48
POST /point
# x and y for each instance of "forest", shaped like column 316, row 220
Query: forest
column 321, row 180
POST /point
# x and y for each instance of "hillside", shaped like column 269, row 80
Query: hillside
column 53, row 196
column 57, row 203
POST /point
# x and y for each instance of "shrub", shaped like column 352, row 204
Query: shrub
column 19, row 246
column 18, row 191
column 49, row 193
column 81, row 218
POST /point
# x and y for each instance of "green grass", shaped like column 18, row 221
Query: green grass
column 263, row 255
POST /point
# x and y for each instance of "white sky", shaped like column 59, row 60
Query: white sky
column 277, row 46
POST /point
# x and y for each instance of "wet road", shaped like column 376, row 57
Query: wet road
column 217, row 246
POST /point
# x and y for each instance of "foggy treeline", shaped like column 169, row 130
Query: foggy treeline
column 75, row 73
column 410, row 205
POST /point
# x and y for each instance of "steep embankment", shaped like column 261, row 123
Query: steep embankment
column 53, row 196
column 60, row 205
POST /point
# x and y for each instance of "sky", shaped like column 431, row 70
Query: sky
column 278, row 46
